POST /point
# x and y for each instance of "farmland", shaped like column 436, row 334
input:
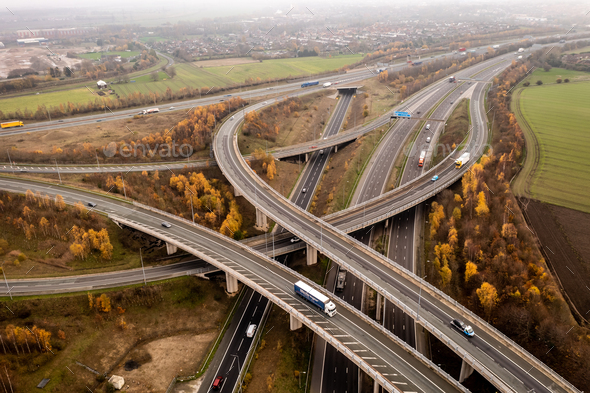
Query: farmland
column 188, row 75
column 554, row 73
column 554, row 119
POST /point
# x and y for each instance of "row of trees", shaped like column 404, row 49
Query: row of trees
column 206, row 199
column 86, row 241
column 194, row 133
column 484, row 255
column 267, row 161
column 40, row 217
column 28, row 339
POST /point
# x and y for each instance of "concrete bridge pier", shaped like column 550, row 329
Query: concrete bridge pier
column 306, row 157
column 294, row 323
column 312, row 255
column 237, row 192
column 171, row 248
column 261, row 221
column 231, row 283
column 336, row 149
column 376, row 387
column 466, row 371
column 380, row 306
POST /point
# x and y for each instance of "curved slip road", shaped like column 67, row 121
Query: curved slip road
column 512, row 367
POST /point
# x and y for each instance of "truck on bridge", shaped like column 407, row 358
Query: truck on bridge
column 307, row 84
column 316, row 298
column 462, row 160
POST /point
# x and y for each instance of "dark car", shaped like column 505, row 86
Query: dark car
column 217, row 383
column 91, row 204
column 465, row 329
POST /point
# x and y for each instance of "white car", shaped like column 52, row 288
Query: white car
column 295, row 239
column 304, row 191
column 166, row 224
column 251, row 330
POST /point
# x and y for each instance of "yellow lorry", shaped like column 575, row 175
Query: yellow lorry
column 9, row 124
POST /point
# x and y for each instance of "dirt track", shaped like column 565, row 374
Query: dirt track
column 564, row 243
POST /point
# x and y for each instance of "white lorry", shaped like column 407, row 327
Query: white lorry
column 327, row 84
column 316, row 298
column 462, row 160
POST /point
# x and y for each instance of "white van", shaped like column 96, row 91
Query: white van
column 428, row 126
column 251, row 330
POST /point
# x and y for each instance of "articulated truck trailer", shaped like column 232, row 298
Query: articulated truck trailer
column 316, row 298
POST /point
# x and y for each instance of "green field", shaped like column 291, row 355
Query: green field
column 554, row 73
column 579, row 50
column 187, row 75
column 281, row 68
column 96, row 55
column 151, row 38
column 558, row 169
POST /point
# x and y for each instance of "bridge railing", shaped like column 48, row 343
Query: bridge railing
column 275, row 299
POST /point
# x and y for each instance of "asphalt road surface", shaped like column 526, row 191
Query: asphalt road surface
column 508, row 365
column 389, row 358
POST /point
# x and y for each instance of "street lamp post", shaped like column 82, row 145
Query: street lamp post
column 302, row 372
column 239, row 370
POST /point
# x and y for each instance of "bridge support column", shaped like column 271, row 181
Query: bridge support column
column 261, row 221
column 360, row 380
column 231, row 282
column 237, row 192
column 379, row 307
column 375, row 387
column 336, row 149
column 294, row 323
column 466, row 371
column 306, row 157
column 171, row 248
column 312, row 255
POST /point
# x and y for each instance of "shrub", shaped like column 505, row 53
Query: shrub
column 558, row 80
column 539, row 82
column 527, row 83
column 566, row 80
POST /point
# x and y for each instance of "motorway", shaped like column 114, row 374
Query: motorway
column 354, row 333
column 330, row 241
column 236, row 351
column 509, row 363
column 315, row 167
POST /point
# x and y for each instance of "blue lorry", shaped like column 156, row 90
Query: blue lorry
column 315, row 297
column 307, row 84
